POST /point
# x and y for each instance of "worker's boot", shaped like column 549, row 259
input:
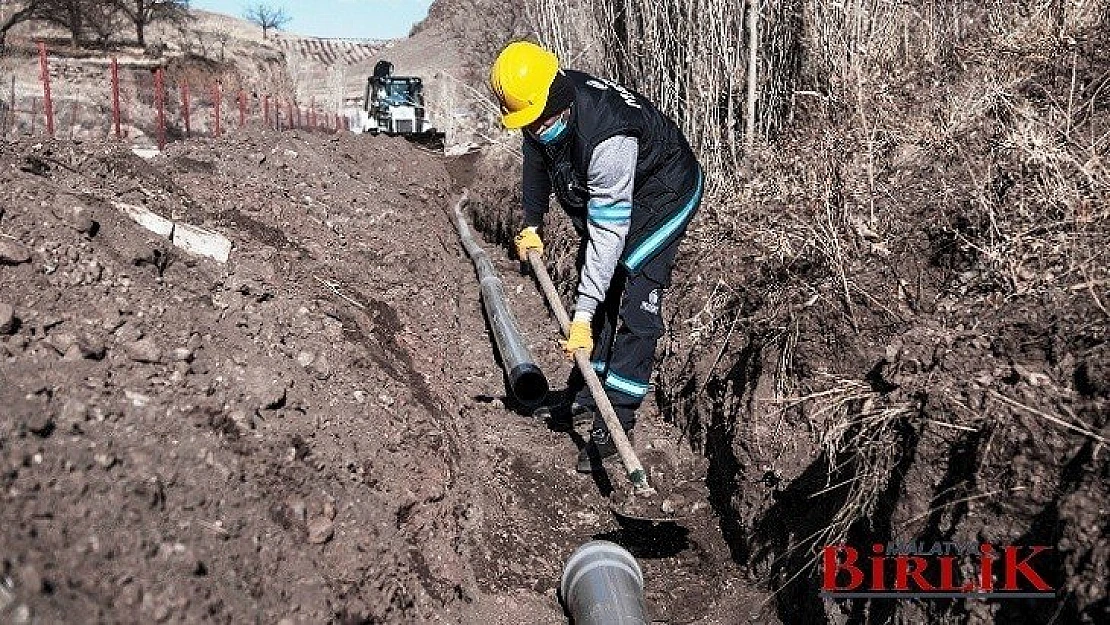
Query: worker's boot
column 599, row 449
column 565, row 414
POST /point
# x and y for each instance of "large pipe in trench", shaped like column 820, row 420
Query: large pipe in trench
column 526, row 381
column 602, row 584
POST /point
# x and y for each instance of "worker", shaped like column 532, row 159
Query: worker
column 627, row 178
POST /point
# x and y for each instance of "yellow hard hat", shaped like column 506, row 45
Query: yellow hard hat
column 521, row 78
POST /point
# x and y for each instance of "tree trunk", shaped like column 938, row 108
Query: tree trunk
column 140, row 32
column 75, row 27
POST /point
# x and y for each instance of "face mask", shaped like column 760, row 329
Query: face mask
column 553, row 132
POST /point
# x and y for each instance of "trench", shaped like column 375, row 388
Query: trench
column 690, row 569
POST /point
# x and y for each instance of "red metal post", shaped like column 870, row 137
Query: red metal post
column 185, row 113
column 160, row 104
column 217, row 95
column 115, row 97
column 242, row 109
column 47, row 102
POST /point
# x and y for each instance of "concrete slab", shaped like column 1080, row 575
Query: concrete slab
column 145, row 153
column 202, row 242
column 148, row 219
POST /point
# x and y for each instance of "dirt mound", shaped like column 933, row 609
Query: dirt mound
column 315, row 431
column 206, row 442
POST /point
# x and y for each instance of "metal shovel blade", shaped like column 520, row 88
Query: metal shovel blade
column 629, row 517
column 675, row 495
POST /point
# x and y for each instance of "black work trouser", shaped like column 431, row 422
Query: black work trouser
column 628, row 324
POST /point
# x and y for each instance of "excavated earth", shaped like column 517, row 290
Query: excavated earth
column 316, row 431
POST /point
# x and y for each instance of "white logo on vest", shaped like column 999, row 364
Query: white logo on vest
column 625, row 94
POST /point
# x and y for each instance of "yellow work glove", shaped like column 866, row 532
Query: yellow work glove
column 528, row 239
column 579, row 337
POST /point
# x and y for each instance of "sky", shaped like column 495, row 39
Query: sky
column 362, row 19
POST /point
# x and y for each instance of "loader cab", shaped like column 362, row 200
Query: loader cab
column 395, row 91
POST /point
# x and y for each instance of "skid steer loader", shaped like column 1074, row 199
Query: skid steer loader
column 394, row 105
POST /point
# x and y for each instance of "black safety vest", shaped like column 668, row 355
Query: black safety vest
column 666, row 170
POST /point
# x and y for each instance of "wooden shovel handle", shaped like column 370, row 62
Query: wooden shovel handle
column 632, row 466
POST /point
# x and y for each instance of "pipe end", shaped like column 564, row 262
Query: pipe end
column 528, row 384
column 602, row 578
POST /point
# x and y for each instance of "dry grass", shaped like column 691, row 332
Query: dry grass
column 855, row 426
column 856, row 430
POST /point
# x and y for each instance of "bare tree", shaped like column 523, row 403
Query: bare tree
column 103, row 19
column 12, row 13
column 142, row 13
column 77, row 16
column 69, row 14
column 221, row 38
column 266, row 16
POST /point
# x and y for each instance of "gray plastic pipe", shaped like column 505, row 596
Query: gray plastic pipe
column 603, row 585
column 526, row 381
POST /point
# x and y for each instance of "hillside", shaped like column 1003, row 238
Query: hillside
column 451, row 50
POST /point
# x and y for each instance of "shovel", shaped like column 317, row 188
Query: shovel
column 641, row 505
